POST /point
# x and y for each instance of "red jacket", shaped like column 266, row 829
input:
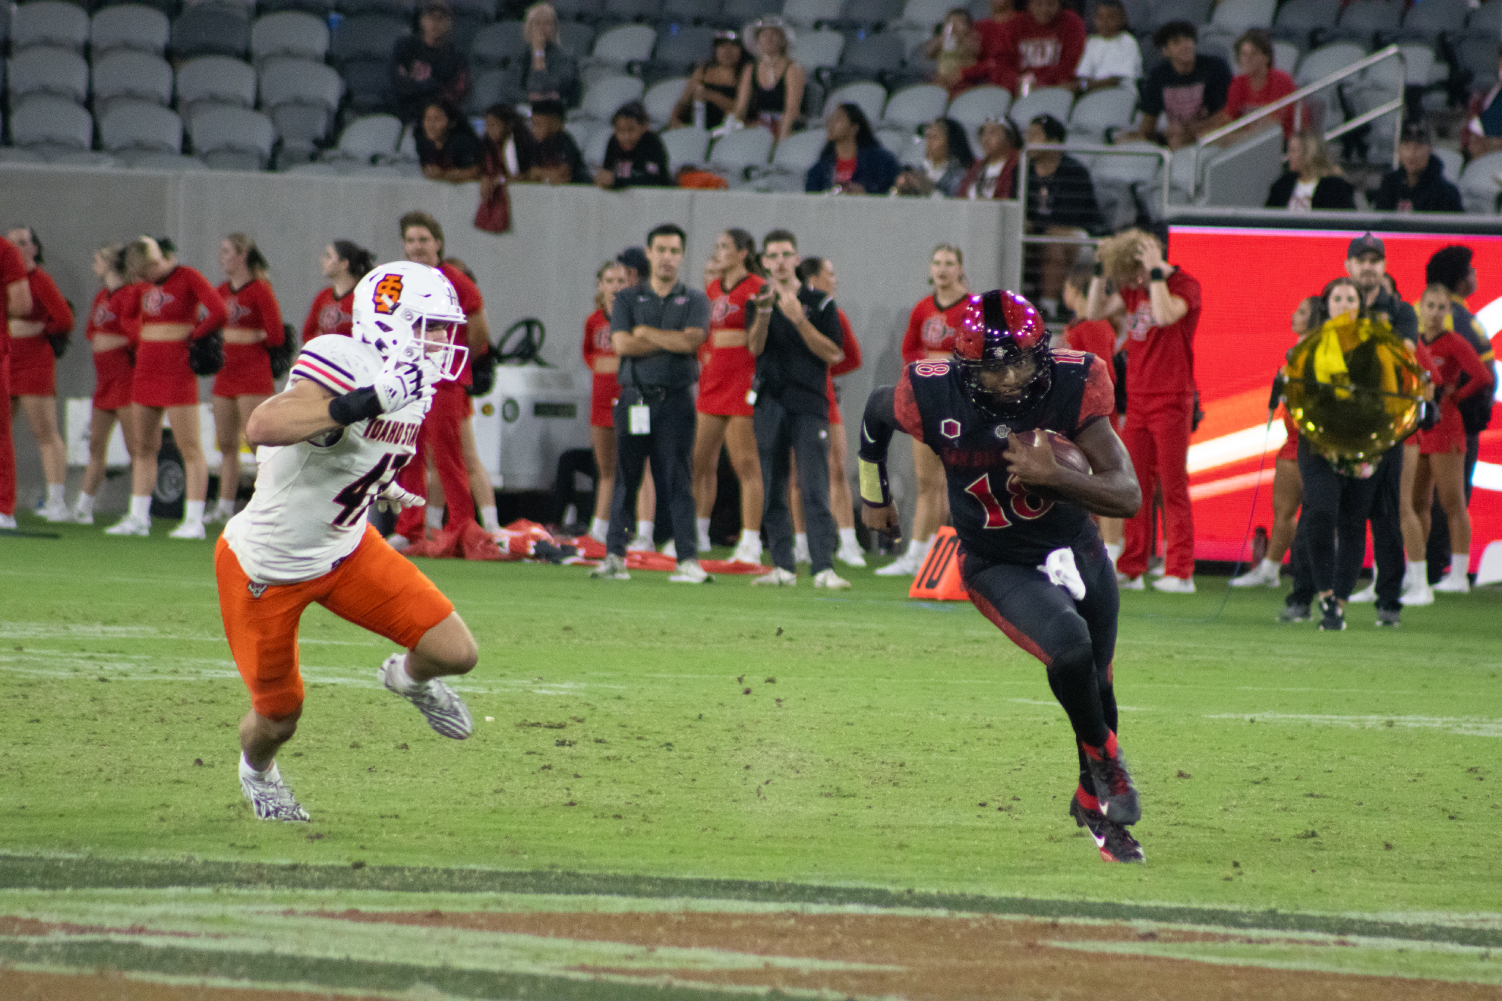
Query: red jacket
column 1050, row 52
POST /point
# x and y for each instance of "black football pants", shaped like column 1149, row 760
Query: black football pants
column 670, row 446
column 779, row 432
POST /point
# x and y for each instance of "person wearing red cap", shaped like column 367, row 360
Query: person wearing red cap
column 1162, row 307
column 17, row 304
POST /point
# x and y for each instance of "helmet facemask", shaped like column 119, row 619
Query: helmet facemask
column 1002, row 333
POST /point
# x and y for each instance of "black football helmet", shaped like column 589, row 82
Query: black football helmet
column 1001, row 329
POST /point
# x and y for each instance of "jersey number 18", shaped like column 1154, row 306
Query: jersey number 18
column 1024, row 505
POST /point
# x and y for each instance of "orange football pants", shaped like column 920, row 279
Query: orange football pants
column 375, row 587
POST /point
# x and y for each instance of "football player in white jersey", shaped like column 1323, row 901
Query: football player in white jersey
column 331, row 445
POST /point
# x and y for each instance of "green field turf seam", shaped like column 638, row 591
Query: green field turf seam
column 33, row 872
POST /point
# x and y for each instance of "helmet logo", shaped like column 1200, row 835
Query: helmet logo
column 949, row 428
column 388, row 292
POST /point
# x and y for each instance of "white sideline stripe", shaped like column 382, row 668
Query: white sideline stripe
column 1237, row 445
column 94, row 630
column 1470, row 726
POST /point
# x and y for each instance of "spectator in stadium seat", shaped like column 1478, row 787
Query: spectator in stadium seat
column 1040, row 47
column 715, row 83
column 853, row 161
column 1483, row 129
column 994, row 175
column 1311, row 181
column 946, row 158
column 1419, row 184
column 771, row 90
column 955, row 48
column 427, row 66
column 447, row 146
column 990, row 31
column 635, row 156
column 507, row 147
column 557, row 156
column 1060, row 202
column 551, row 74
column 1258, row 84
column 1112, row 58
column 1186, row 89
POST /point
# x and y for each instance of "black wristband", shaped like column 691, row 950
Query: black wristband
column 1098, row 270
column 358, row 405
column 1156, row 275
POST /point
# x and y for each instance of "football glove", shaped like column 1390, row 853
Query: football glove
column 407, row 378
column 1061, row 569
column 396, row 500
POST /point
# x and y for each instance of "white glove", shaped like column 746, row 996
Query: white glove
column 1060, row 569
column 406, row 378
column 396, row 500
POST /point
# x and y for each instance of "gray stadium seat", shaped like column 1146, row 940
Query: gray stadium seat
column 739, row 152
column 604, row 96
column 46, row 121
column 912, row 106
column 289, row 33
column 50, row 22
column 1475, row 56
column 578, row 10
column 629, row 43
column 691, row 11
column 978, row 104
column 366, row 138
column 129, row 26
column 868, row 14
column 1054, row 101
column 1235, row 16
column 495, row 86
column 301, row 97
column 809, row 13
column 872, row 98
column 686, row 147
column 132, row 75
column 1485, row 21
column 679, row 51
column 1371, row 22
column 1325, row 105
column 575, row 38
column 367, row 80
column 1305, row 21
column 211, row 29
column 4, row 24
column 318, row 8
column 365, row 36
column 48, row 69
column 739, row 12
column 1160, row 12
column 498, row 44
column 232, row 138
column 16, row 154
column 138, row 126
column 1286, row 56
column 661, row 98
column 1095, row 112
column 1478, row 185
column 484, row 10
column 819, row 49
column 211, row 81
column 162, row 161
column 873, row 56
column 1434, row 19
column 799, row 151
column 619, row 11
column 593, row 148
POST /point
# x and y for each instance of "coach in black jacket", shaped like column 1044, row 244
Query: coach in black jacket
column 795, row 334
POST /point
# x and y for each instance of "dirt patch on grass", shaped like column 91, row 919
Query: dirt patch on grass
column 108, row 985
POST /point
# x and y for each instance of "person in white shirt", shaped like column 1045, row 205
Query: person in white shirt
column 330, row 445
column 1112, row 58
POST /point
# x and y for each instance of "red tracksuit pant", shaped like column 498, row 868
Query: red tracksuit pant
column 7, row 445
column 1156, row 435
column 440, row 433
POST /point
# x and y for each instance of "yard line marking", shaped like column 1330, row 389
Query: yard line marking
column 1470, row 726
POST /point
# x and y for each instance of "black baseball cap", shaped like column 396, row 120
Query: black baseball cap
column 1366, row 243
column 1414, row 132
column 548, row 106
column 635, row 258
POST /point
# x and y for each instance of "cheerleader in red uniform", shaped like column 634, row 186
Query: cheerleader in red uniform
column 1099, row 338
column 930, row 334
column 819, row 273
column 17, row 292
column 33, row 357
column 178, row 305
column 113, row 325
column 253, row 324
column 1457, row 375
column 724, row 413
column 600, row 356
column 343, row 263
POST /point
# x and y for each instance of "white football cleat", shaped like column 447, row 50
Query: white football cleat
column 129, row 525
column 612, row 567
column 1264, row 574
column 1366, row 596
column 270, row 797
column 445, row 711
column 690, row 572
column 903, row 566
column 850, row 555
column 1454, row 583
column 1174, row 585
column 189, row 530
column 640, row 545
column 1419, row 594
column 55, row 513
column 1125, row 583
column 82, row 517
column 830, row 579
column 7, row 521
column 777, row 578
column 747, row 551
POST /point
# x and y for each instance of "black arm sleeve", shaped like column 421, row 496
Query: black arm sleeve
column 877, row 426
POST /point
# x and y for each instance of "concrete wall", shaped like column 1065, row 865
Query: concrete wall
column 544, row 267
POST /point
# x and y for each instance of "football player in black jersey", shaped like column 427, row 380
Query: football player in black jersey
column 1033, row 561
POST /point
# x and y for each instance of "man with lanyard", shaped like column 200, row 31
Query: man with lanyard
column 656, row 328
column 1451, row 267
column 795, row 335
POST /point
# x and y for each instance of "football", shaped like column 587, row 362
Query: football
column 1066, row 453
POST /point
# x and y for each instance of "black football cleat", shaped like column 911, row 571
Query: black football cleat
column 1113, row 783
column 1115, row 843
column 1332, row 616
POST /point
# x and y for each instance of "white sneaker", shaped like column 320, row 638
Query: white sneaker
column 705, row 545
column 777, row 578
column 851, row 556
column 690, row 572
column 612, row 567
column 599, row 538
column 7, row 521
column 1261, row 575
column 670, row 548
column 830, row 579
column 189, row 530
column 446, row 712
column 1174, row 585
column 800, row 551
column 1366, row 596
column 81, row 517
column 216, row 514
column 270, row 797
column 1420, row 594
column 1453, row 583
column 1125, row 583
column 747, row 551
column 902, row 566
column 129, row 525
column 640, row 545
column 55, row 513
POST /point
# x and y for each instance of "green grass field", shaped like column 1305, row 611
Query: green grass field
column 646, row 740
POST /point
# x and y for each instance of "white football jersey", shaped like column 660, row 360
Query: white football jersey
column 311, row 499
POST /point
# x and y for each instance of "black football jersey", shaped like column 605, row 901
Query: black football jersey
column 995, row 516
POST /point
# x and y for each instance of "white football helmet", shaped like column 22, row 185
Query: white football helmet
column 402, row 307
